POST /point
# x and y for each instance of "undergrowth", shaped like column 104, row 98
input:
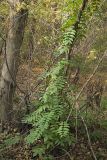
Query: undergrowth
column 52, row 125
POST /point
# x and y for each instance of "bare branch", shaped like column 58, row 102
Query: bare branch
column 86, row 83
column 89, row 140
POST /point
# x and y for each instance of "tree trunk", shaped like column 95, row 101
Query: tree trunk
column 17, row 22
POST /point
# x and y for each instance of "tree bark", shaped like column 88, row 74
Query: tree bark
column 17, row 22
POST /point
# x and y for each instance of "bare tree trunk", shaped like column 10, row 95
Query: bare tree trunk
column 17, row 22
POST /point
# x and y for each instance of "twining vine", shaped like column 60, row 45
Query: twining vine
column 49, row 122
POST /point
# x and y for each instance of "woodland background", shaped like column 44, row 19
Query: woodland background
column 53, row 86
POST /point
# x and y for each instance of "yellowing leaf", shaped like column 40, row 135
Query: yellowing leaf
column 92, row 55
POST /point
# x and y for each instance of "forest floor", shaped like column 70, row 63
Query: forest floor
column 83, row 149
column 98, row 135
column 78, row 151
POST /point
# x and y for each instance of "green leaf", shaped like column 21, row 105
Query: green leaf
column 12, row 141
column 38, row 151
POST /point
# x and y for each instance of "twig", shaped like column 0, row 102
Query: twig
column 88, row 136
column 67, row 153
column 76, row 122
column 85, row 84
column 89, row 140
